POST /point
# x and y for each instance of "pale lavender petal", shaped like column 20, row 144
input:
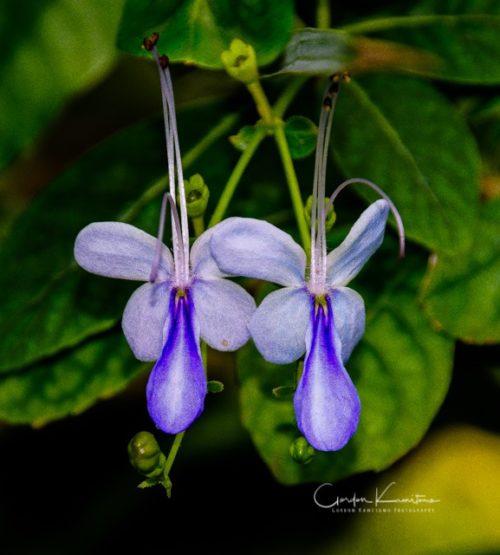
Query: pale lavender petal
column 203, row 264
column 253, row 248
column 279, row 325
column 365, row 237
column 326, row 402
column 177, row 385
column 145, row 320
column 119, row 250
column 349, row 317
column 223, row 310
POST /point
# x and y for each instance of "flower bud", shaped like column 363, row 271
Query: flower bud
column 197, row 195
column 301, row 452
column 215, row 386
column 144, row 453
column 330, row 217
column 240, row 62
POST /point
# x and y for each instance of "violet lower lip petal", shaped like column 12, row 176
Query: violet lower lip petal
column 177, row 385
column 326, row 402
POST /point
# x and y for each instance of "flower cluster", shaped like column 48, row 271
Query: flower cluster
column 186, row 296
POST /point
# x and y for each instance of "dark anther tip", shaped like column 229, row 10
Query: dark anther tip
column 150, row 42
column 327, row 103
column 334, row 88
column 346, row 76
column 164, row 61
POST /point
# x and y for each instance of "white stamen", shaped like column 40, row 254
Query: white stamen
column 180, row 229
column 318, row 214
column 159, row 242
column 392, row 206
column 177, row 226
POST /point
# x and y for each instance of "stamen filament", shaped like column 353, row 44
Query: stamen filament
column 318, row 214
column 392, row 206
column 178, row 252
column 180, row 177
column 159, row 243
column 180, row 233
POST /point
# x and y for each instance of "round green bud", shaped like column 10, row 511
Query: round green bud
column 300, row 451
column 215, row 386
column 330, row 217
column 197, row 195
column 144, row 453
column 240, row 62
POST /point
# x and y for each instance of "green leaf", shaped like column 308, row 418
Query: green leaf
column 411, row 149
column 68, row 384
column 51, row 49
column 301, row 134
column 244, row 137
column 462, row 35
column 197, row 31
column 461, row 293
column 48, row 302
column 401, row 370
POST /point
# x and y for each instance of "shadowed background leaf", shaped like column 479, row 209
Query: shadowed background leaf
column 461, row 294
column 411, row 141
column 68, row 383
column 50, row 50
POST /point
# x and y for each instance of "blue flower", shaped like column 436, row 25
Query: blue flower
column 315, row 313
column 185, row 297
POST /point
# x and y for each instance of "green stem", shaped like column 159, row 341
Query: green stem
column 198, row 225
column 234, row 178
column 293, row 184
column 323, row 16
column 173, row 453
column 278, row 110
column 261, row 102
column 220, row 130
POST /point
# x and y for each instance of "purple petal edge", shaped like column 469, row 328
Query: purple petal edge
column 177, row 385
column 327, row 405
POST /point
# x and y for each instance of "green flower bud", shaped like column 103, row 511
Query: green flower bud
column 240, row 62
column 214, row 386
column 330, row 217
column 301, row 452
column 144, row 454
column 197, row 195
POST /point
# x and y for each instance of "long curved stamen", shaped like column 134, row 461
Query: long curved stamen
column 318, row 214
column 180, row 177
column 180, row 234
column 178, row 252
column 392, row 206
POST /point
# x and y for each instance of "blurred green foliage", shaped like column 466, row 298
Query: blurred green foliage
column 50, row 50
column 60, row 349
